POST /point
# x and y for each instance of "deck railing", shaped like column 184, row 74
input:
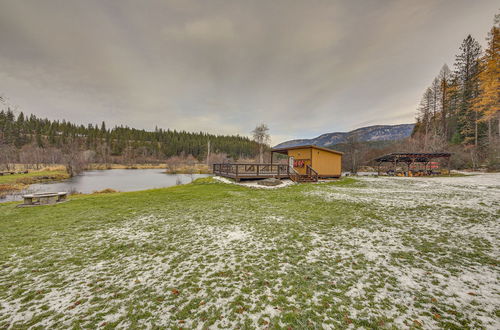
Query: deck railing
column 310, row 172
column 251, row 170
column 294, row 175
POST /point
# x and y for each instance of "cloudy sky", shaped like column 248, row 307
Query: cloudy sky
column 303, row 67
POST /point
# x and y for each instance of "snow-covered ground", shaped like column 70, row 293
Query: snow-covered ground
column 254, row 183
column 379, row 252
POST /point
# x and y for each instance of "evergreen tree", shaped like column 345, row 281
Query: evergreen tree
column 467, row 73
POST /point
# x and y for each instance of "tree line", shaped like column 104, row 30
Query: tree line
column 460, row 110
column 29, row 139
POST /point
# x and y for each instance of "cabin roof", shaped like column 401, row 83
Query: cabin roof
column 284, row 150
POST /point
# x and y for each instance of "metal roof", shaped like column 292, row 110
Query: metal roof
column 419, row 157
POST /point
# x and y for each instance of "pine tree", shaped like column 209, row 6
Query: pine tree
column 467, row 73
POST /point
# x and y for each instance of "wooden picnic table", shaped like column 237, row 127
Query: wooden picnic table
column 44, row 198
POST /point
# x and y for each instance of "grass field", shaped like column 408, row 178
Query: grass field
column 368, row 252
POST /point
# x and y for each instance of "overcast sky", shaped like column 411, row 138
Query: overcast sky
column 303, row 67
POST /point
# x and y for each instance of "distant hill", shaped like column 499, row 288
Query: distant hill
column 364, row 134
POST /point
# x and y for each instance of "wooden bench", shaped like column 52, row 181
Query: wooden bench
column 44, row 198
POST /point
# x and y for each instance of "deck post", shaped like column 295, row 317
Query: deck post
column 279, row 177
column 257, row 169
column 237, row 172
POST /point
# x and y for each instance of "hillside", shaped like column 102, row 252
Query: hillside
column 364, row 134
column 29, row 139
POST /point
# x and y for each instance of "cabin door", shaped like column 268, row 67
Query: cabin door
column 291, row 159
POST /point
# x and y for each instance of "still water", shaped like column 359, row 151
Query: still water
column 121, row 180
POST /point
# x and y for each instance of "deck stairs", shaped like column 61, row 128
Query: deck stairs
column 310, row 176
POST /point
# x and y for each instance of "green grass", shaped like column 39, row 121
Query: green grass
column 210, row 254
column 31, row 175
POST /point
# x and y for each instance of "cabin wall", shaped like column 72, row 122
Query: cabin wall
column 327, row 164
column 301, row 154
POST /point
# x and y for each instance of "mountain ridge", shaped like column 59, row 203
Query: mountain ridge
column 363, row 134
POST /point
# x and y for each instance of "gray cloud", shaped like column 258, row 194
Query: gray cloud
column 303, row 67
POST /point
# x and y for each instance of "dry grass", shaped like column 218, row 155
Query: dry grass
column 41, row 178
column 189, row 169
column 7, row 188
column 106, row 191
column 124, row 167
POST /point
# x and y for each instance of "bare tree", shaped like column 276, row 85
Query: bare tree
column 353, row 154
column 208, row 153
column 262, row 137
column 8, row 156
column 75, row 159
column 173, row 164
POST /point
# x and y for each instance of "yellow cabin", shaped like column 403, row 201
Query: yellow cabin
column 327, row 163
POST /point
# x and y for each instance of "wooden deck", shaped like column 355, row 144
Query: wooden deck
column 262, row 171
column 252, row 171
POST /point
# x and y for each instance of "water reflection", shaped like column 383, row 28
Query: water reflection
column 121, row 180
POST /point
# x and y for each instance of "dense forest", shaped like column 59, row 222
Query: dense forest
column 460, row 110
column 32, row 140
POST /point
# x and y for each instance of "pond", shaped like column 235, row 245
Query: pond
column 120, row 180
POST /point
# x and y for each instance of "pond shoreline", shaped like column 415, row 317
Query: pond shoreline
column 14, row 183
column 119, row 180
